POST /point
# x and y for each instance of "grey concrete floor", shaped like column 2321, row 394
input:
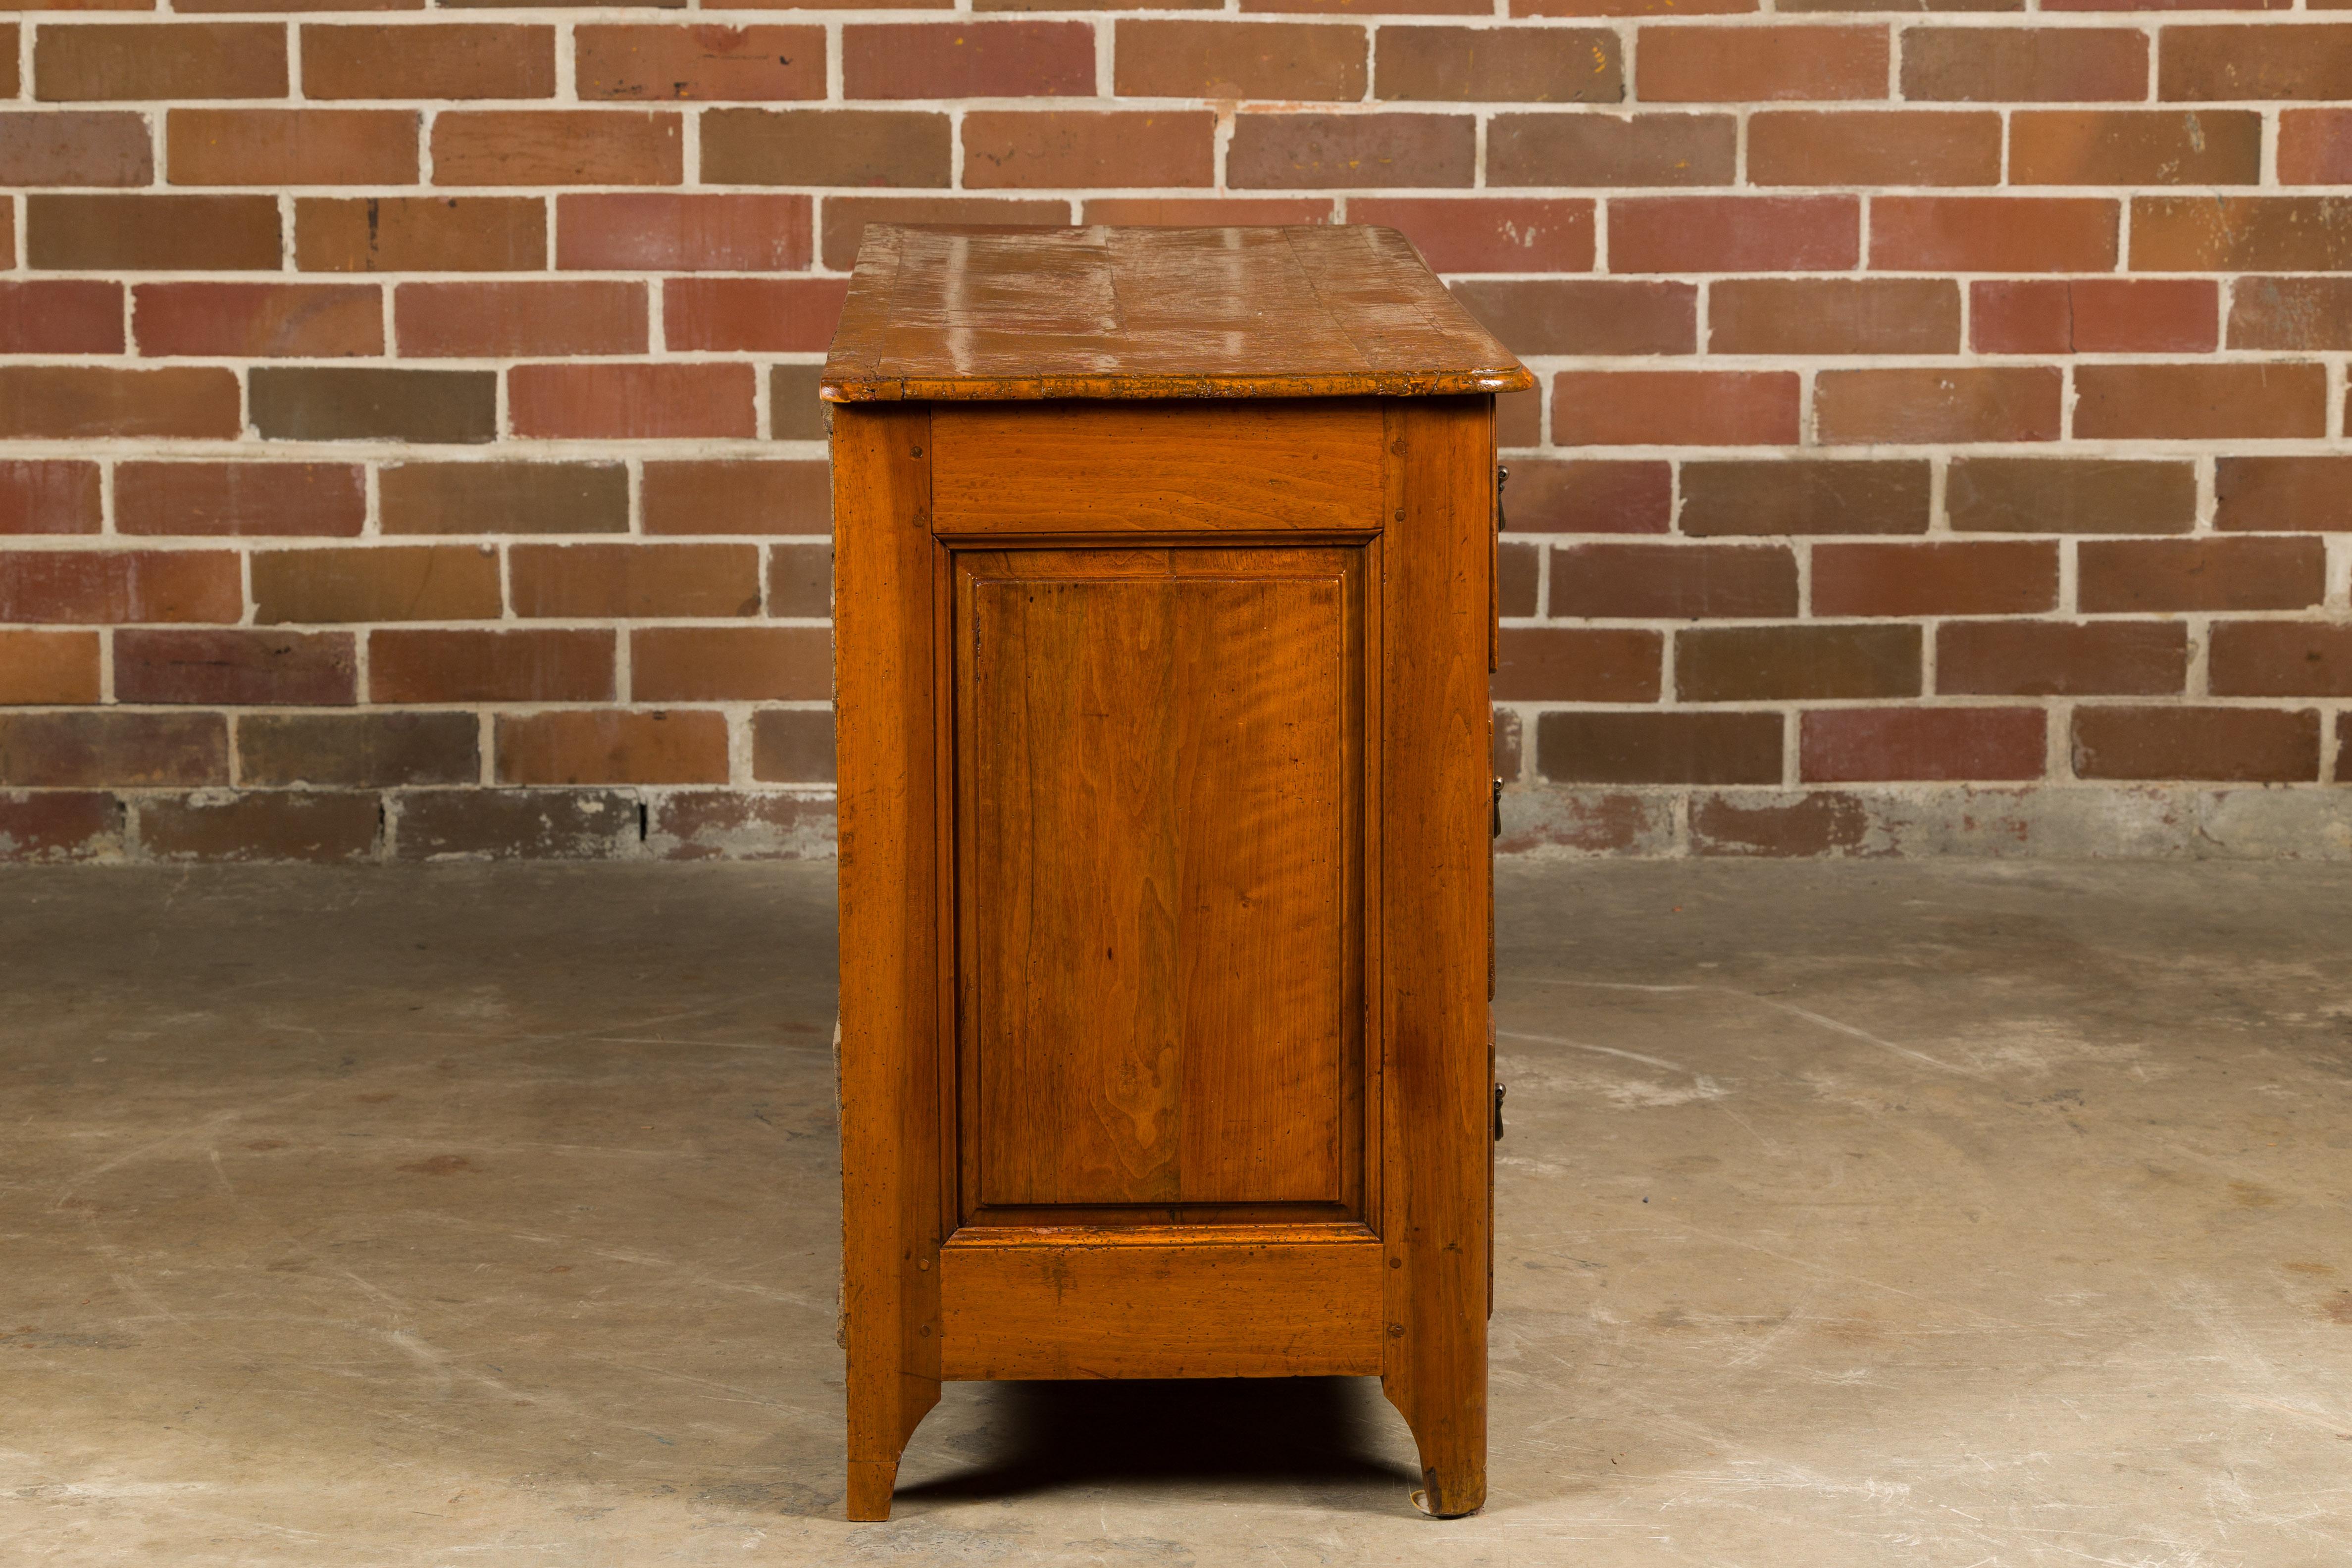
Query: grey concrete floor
column 1927, row 1213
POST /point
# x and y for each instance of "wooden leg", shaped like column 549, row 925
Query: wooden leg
column 870, row 1481
column 1452, row 1441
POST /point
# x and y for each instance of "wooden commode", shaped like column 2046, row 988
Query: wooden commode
column 1163, row 591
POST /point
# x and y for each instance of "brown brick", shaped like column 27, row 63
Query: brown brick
column 1810, row 496
column 1658, row 581
column 634, row 582
column 461, row 59
column 2256, row 62
column 8, row 233
column 739, row 64
column 795, row 410
column 258, row 321
column 2199, row 402
column 2061, row 658
column 1745, row 65
column 1547, row 495
column 1518, row 415
column 1077, row 5
column 359, row 750
column 1290, row 61
column 632, row 401
column 200, row 7
column 73, row 402
column 417, row 234
column 2095, row 316
column 2283, row 493
column 729, row 664
column 557, row 147
column 799, row 580
column 1696, row 408
column 45, row 667
column 1485, row 234
column 845, row 217
column 1841, row 746
column 1734, row 233
column 49, row 495
column 1759, row 663
column 825, row 147
column 775, row 315
column 504, row 498
column 151, row 232
column 11, row 40
column 1873, row 147
column 505, row 320
column 1363, row 151
column 2121, row 576
column 547, row 666
column 1819, row 823
column 119, row 585
column 2241, row 234
column 793, row 745
column 291, row 146
column 2280, row 659
column 236, row 668
column 1579, row 316
column 60, row 315
column 2070, row 495
column 1373, row 7
column 59, row 825
column 1206, row 211
column 2236, row 744
column 658, row 230
column 611, row 748
column 972, row 59
column 1012, row 149
column 2019, row 402
column 1658, row 748
column 2036, row 65
column 2290, row 313
column 320, row 403
column 739, row 824
column 1519, row 579
column 75, row 147
column 517, row 824
column 1575, row 663
column 2143, row 146
column 1993, row 233
column 1833, row 316
column 328, row 499
column 2316, row 147
column 313, row 826
column 736, row 497
column 101, row 749
column 1585, row 149
column 1493, row 65
column 2005, row 578
column 143, row 61
column 409, row 583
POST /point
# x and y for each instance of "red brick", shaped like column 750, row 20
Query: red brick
column 74, row 403
column 501, row 320
column 508, row 824
column 660, row 232
column 418, row 234
column 1574, row 663
column 240, row 499
column 362, row 583
column 845, row 217
column 710, row 63
column 732, row 824
column 151, row 232
column 1547, row 496
column 1625, row 7
column 2280, row 659
column 236, row 668
column 1820, row 316
column 1494, row 65
column 776, row 315
column 371, row 403
column 291, row 146
column 2070, row 495
column 1820, row 822
column 142, row 62
column 2036, row 65
column 2255, row 62
column 45, row 667
column 49, row 495
column 2136, row 146
column 1873, row 147
column 2095, row 316
column 1582, row 315
column 1675, row 408
column 972, row 59
column 2316, row 147
column 1289, row 61
column 2233, row 744
column 195, row 6
column 1810, row 497
column 315, row 826
column 2290, row 313
column 1012, row 148
column 793, row 745
column 1993, row 233
column 1680, row 582
column 1474, row 235
column 447, row 667
column 1954, row 403
column 2004, row 578
column 1205, row 212
column 462, row 59
column 611, row 748
column 60, row 315
column 825, row 147
column 1519, row 579
column 258, row 321
column 8, row 233
column 59, row 825
column 1658, row 748
column 2122, row 576
column 1744, row 65
column 1841, row 746
column 2283, row 493
column 1587, row 150
column 1518, row 415
column 1763, row 664
column 2241, row 234
column 75, row 147
column 616, row 582
column 631, row 401
column 2200, row 401
column 504, row 497
column 729, row 664
column 1361, row 151
column 736, row 497
column 557, row 147
column 359, row 750
column 2061, row 658
column 103, row 749
column 795, row 411
column 1734, row 233
column 1371, row 7
column 799, row 580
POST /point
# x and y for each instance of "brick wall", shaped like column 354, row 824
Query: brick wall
column 408, row 448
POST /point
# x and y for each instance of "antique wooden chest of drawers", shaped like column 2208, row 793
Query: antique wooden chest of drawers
column 1163, row 594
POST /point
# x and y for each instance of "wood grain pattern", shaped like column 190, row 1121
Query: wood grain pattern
column 1000, row 313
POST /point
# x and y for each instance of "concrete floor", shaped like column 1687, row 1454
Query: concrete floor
column 1932, row 1213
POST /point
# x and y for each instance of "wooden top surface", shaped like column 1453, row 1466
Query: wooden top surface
column 974, row 312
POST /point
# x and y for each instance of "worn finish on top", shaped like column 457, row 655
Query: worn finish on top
column 993, row 312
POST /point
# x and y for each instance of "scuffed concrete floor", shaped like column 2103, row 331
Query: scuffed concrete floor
column 1934, row 1214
